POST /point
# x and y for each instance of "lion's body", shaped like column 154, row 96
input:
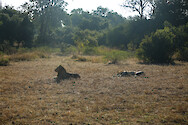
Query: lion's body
column 73, row 75
column 62, row 74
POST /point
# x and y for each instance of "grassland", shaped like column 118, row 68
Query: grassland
column 30, row 95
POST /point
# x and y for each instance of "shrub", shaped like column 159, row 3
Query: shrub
column 3, row 61
column 103, row 54
column 181, row 42
column 90, row 51
column 158, row 47
column 23, row 57
column 28, row 56
column 71, row 50
column 6, row 48
column 114, row 56
column 64, row 47
column 67, row 49
column 45, row 49
column 23, row 50
column 183, row 54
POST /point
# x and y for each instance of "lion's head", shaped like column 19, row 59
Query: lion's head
column 60, row 69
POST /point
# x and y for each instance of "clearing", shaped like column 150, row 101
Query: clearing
column 29, row 94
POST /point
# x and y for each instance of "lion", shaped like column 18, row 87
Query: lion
column 62, row 74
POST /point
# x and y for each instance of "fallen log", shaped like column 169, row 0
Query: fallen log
column 130, row 73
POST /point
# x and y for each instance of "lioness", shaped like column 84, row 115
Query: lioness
column 62, row 74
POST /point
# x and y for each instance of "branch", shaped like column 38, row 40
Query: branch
column 144, row 4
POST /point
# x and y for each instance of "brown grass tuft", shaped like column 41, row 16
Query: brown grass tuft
column 27, row 56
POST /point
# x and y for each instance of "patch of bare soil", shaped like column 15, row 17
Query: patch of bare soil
column 30, row 95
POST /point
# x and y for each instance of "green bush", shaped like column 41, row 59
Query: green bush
column 114, row 56
column 158, row 47
column 67, row 49
column 64, row 47
column 90, row 51
column 4, row 61
column 183, row 54
column 23, row 50
column 26, row 54
column 181, row 42
column 6, row 48
column 45, row 49
column 23, row 57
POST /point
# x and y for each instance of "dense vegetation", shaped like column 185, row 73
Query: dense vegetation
column 157, row 35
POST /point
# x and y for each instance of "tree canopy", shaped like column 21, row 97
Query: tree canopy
column 143, row 7
column 47, row 23
column 15, row 27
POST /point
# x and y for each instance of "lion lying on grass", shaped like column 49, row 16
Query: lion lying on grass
column 62, row 74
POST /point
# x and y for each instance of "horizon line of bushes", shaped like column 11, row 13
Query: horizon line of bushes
column 85, row 33
column 159, row 47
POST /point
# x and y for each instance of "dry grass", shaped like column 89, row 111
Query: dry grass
column 27, row 56
column 29, row 94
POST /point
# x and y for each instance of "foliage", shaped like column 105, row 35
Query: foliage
column 181, row 41
column 173, row 11
column 140, row 6
column 65, row 34
column 99, row 19
column 47, row 16
column 109, row 18
column 27, row 54
column 85, row 38
column 64, row 47
column 23, row 57
column 67, row 49
column 89, row 50
column 114, row 56
column 129, row 32
column 6, row 48
column 16, row 28
column 158, row 47
column 103, row 54
column 131, row 46
column 182, row 54
column 3, row 61
column 47, row 23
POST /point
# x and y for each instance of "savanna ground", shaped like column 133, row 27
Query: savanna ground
column 30, row 95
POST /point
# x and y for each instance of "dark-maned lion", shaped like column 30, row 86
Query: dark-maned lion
column 62, row 74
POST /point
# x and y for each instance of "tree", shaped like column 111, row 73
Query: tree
column 113, row 18
column 143, row 7
column 85, row 20
column 129, row 32
column 15, row 27
column 76, row 17
column 101, row 11
column 173, row 11
column 86, row 40
column 181, row 41
column 47, row 16
column 66, row 34
column 87, row 37
column 158, row 47
column 0, row 4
